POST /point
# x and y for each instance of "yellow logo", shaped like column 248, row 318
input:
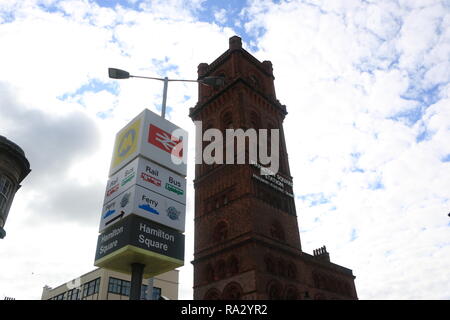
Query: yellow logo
column 126, row 143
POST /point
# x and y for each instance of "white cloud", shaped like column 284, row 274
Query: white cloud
column 221, row 16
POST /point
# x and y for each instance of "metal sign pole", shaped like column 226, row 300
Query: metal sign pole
column 137, row 270
column 163, row 107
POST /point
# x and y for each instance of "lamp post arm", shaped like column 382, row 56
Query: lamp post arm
column 161, row 79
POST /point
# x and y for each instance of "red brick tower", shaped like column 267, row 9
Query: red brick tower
column 247, row 243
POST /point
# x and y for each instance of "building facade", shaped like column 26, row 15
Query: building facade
column 247, row 241
column 103, row 284
column 14, row 167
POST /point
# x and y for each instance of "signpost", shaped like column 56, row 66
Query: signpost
column 144, row 203
column 152, row 137
column 138, row 240
column 144, row 207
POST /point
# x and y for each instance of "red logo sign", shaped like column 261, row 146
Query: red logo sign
column 112, row 190
column 150, row 179
column 165, row 141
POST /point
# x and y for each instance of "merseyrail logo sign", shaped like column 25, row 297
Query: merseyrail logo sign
column 126, row 143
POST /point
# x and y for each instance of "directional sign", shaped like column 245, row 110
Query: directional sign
column 149, row 175
column 145, row 203
column 134, row 239
column 155, row 138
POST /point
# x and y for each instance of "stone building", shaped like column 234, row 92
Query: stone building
column 14, row 167
column 103, row 284
column 247, row 242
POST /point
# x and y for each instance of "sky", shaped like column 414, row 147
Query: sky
column 367, row 89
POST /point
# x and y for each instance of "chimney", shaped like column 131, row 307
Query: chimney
column 322, row 254
column 235, row 43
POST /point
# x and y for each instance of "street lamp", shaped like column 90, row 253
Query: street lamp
column 209, row 81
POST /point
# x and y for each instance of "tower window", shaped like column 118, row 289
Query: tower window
column 292, row 271
column 276, row 231
column 220, row 232
column 212, row 294
column 255, row 81
column 232, row 291
column 274, row 291
column 5, row 192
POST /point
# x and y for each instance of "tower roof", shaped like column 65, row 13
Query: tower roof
column 17, row 152
column 4, row 141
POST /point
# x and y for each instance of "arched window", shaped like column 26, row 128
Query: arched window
column 254, row 80
column 276, row 231
column 232, row 291
column 220, row 232
column 274, row 291
column 233, row 265
column 212, row 294
column 6, row 186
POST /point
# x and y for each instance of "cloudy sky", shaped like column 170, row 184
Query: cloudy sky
column 366, row 85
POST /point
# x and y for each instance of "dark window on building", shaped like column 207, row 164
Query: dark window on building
column 276, row 231
column 144, row 292
column 220, row 231
column 119, row 286
column 156, row 292
column 61, row 296
column 5, row 191
column 274, row 291
column 91, row 287
column 212, row 294
column 74, row 294
column 232, row 291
